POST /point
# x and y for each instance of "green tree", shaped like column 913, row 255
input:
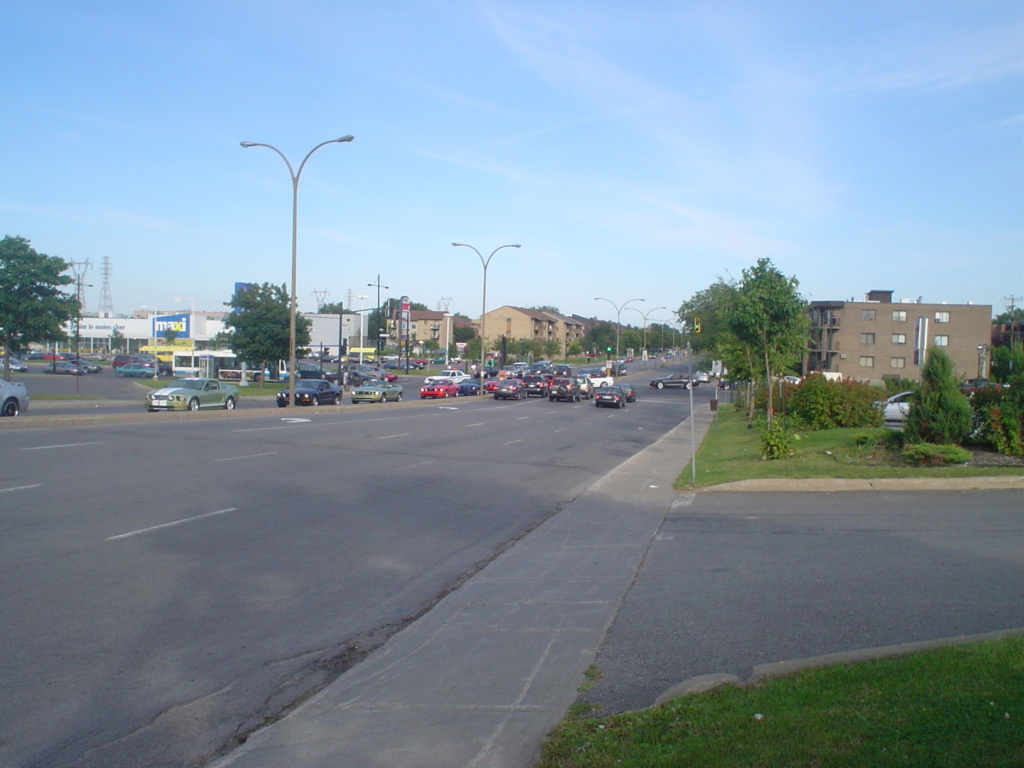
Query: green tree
column 547, row 308
column 32, row 305
column 116, row 340
column 259, row 325
column 331, row 308
column 768, row 318
column 712, row 307
column 601, row 337
column 941, row 413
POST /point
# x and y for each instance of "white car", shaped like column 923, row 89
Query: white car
column 453, row 375
column 597, row 377
column 895, row 408
column 13, row 398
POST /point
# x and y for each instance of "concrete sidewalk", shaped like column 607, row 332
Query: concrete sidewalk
column 481, row 679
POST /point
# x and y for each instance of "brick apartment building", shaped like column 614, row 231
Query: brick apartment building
column 521, row 323
column 877, row 339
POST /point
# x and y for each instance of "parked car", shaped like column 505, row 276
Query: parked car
column 192, row 394
column 675, row 380
column 439, row 388
column 16, row 365
column 120, row 360
column 311, row 392
column 564, row 389
column 896, row 408
column 609, row 397
column 86, row 365
column 510, row 389
column 64, row 368
column 535, row 384
column 451, row 374
column 315, row 374
column 137, row 371
column 13, row 398
column 628, row 390
column 377, row 391
column 469, row 387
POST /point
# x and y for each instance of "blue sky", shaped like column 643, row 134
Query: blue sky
column 635, row 150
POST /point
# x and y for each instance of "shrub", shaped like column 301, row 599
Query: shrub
column 941, row 413
column 929, row 454
column 775, row 440
column 822, row 404
column 1004, row 428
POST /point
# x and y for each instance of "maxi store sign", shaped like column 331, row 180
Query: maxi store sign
column 179, row 323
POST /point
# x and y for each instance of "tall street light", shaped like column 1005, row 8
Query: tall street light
column 293, row 304
column 618, row 319
column 645, row 316
column 483, row 312
column 380, row 314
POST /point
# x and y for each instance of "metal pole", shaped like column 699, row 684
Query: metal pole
column 693, row 439
column 294, row 302
column 483, row 309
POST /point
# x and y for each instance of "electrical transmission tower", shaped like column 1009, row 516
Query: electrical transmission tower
column 79, row 268
column 106, row 303
column 442, row 304
column 320, row 296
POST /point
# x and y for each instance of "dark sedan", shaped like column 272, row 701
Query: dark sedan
column 535, row 384
column 468, row 387
column 311, row 392
column 628, row 390
column 510, row 389
column 610, row 397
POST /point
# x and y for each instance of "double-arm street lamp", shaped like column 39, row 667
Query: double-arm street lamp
column 618, row 318
column 483, row 311
column 381, row 323
column 293, row 304
column 645, row 316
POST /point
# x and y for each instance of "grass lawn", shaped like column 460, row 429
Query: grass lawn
column 730, row 451
column 959, row 706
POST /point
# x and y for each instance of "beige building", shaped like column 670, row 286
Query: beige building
column 533, row 324
column 877, row 339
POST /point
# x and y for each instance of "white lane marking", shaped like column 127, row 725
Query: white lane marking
column 521, row 418
column 478, row 424
column 512, row 442
column 168, row 525
column 63, row 445
column 447, row 408
column 294, row 420
column 563, row 429
column 250, row 456
column 388, row 437
column 420, row 464
column 21, row 488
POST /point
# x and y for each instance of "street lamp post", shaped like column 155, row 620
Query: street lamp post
column 380, row 314
column 293, row 304
column 362, row 326
column 645, row 316
column 618, row 321
column 483, row 311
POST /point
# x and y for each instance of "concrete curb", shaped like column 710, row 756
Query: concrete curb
column 765, row 672
column 825, row 484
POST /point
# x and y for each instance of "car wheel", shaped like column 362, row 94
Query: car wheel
column 229, row 404
column 660, row 385
column 193, row 404
column 398, row 397
column 11, row 408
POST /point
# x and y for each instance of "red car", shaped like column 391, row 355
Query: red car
column 491, row 385
column 440, row 388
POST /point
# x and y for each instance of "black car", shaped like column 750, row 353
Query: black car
column 564, row 389
column 628, row 390
column 311, row 392
column 317, row 374
column 535, row 385
column 510, row 389
column 675, row 380
column 610, row 397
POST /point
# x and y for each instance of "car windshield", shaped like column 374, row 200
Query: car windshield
column 189, row 383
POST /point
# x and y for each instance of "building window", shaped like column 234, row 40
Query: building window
column 897, row 362
column 867, row 362
column 899, row 338
column 942, row 341
column 867, row 314
column 942, row 317
column 899, row 315
column 867, row 338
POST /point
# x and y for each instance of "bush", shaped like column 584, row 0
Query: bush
column 929, row 454
column 941, row 413
column 822, row 404
column 776, row 440
column 1004, row 428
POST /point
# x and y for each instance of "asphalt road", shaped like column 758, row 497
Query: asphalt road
column 733, row 580
column 172, row 584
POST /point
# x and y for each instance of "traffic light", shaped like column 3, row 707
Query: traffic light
column 696, row 325
column 607, row 349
